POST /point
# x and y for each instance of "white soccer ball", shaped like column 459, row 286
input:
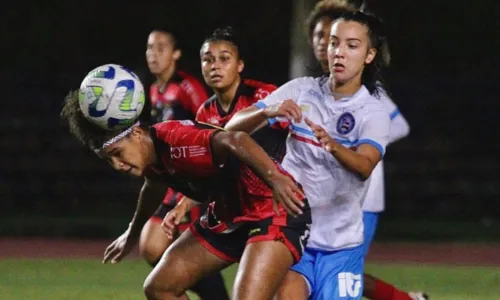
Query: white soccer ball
column 111, row 97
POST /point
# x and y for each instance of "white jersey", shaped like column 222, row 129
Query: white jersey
column 334, row 193
column 375, row 196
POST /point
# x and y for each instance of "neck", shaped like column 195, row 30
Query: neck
column 166, row 75
column 226, row 96
column 348, row 88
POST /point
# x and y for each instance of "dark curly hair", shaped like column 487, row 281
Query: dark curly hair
column 89, row 134
column 331, row 9
column 228, row 34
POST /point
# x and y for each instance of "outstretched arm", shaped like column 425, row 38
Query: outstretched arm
column 150, row 197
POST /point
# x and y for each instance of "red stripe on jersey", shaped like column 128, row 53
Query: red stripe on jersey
column 305, row 140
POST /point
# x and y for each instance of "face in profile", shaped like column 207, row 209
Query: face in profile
column 132, row 154
column 220, row 64
column 160, row 52
column 320, row 38
column 349, row 51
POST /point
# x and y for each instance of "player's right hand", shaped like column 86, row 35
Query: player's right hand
column 118, row 249
column 288, row 109
column 288, row 194
column 173, row 219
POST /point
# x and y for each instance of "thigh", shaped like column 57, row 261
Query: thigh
column 262, row 268
column 184, row 263
column 293, row 287
column 370, row 222
column 299, row 281
column 339, row 275
column 153, row 241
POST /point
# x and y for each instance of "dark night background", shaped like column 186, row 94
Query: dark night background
column 443, row 180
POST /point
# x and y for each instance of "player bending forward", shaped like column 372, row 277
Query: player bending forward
column 258, row 215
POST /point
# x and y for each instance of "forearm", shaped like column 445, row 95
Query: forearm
column 358, row 164
column 150, row 197
column 248, row 120
column 250, row 153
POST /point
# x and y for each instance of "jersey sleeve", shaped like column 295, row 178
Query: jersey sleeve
column 399, row 126
column 290, row 90
column 375, row 129
column 190, row 147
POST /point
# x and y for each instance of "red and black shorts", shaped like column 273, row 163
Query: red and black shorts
column 169, row 202
column 229, row 244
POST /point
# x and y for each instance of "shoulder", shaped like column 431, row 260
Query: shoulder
column 208, row 103
column 260, row 89
column 305, row 81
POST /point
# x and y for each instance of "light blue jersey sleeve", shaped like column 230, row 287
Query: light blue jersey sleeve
column 399, row 126
column 375, row 128
column 290, row 90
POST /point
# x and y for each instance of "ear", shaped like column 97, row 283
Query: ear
column 138, row 133
column 177, row 54
column 241, row 65
column 372, row 52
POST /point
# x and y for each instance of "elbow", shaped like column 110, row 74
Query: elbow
column 364, row 175
column 235, row 140
column 366, row 169
column 234, row 123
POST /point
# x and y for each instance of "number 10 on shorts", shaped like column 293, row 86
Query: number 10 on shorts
column 349, row 284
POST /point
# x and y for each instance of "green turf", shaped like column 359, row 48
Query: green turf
column 88, row 279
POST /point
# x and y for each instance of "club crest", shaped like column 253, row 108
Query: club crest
column 346, row 123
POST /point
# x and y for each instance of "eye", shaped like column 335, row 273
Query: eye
column 206, row 59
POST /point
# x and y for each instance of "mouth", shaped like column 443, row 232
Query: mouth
column 338, row 67
column 215, row 77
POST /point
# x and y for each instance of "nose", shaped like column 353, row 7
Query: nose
column 119, row 165
column 339, row 51
column 215, row 64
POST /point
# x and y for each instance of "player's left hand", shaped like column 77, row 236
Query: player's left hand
column 173, row 219
column 319, row 132
column 119, row 248
column 287, row 193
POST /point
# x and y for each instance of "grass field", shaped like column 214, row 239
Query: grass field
column 83, row 279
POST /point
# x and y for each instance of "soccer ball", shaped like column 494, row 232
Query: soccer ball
column 111, row 97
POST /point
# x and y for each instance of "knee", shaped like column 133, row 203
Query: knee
column 155, row 289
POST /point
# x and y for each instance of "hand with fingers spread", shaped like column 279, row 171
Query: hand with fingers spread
column 288, row 194
column 324, row 139
column 288, row 109
column 118, row 249
column 173, row 219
